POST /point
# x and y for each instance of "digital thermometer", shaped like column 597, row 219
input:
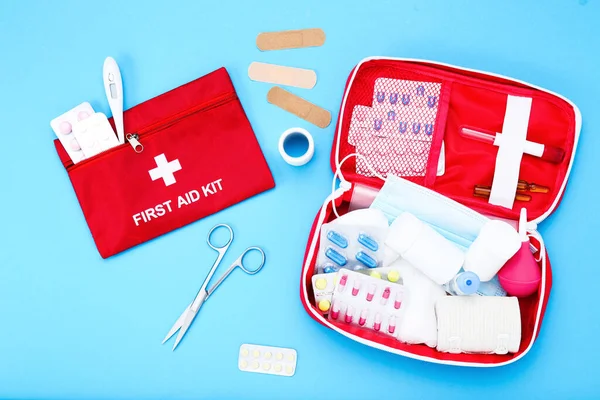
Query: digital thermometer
column 113, row 85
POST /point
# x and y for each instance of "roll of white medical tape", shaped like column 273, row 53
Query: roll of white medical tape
column 293, row 133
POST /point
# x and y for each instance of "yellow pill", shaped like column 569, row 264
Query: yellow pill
column 255, row 365
column 324, row 305
column 266, row 366
column 321, row 283
column 290, row 357
column 289, row 369
column 245, row 352
column 279, row 356
column 375, row 274
column 256, row 353
column 277, row 368
column 243, row 364
column 393, row 276
column 268, row 355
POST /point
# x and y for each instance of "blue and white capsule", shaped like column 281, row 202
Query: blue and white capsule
column 336, row 257
column 366, row 259
column 337, row 239
column 368, row 242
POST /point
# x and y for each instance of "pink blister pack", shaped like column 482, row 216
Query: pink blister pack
column 367, row 302
column 394, row 135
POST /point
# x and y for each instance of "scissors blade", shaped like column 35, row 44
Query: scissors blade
column 187, row 321
column 177, row 324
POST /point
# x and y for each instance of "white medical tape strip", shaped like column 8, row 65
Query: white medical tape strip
column 267, row 360
column 282, row 75
column 304, row 158
column 511, row 143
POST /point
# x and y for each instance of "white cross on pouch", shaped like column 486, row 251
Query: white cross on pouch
column 165, row 169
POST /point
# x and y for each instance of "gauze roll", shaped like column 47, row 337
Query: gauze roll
column 419, row 325
column 423, row 247
column 496, row 243
column 474, row 324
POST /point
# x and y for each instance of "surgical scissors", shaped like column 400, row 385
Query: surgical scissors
column 185, row 320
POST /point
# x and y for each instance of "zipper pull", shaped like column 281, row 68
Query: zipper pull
column 132, row 138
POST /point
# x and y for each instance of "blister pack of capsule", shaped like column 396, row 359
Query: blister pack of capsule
column 367, row 302
column 350, row 247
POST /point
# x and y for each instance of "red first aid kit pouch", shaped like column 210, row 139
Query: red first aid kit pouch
column 437, row 157
column 197, row 154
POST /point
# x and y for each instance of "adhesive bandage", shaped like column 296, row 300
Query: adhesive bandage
column 299, row 107
column 294, row 39
column 282, row 75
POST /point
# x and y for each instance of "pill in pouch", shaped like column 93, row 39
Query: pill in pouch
column 353, row 241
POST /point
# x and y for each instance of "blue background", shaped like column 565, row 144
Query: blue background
column 75, row 326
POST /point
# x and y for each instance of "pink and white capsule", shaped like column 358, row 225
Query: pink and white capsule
column 371, row 292
column 343, row 281
column 363, row 317
column 392, row 325
column 398, row 300
column 377, row 322
column 335, row 310
column 349, row 315
column 385, row 296
column 356, row 287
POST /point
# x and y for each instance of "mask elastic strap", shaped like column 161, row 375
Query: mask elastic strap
column 344, row 184
column 538, row 237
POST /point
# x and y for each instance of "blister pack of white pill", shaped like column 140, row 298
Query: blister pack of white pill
column 95, row 135
column 267, row 360
column 83, row 132
column 353, row 241
column 63, row 128
column 368, row 302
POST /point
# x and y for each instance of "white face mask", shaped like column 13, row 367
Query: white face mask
column 455, row 222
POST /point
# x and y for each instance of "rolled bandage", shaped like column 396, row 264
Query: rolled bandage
column 423, row 247
column 296, row 137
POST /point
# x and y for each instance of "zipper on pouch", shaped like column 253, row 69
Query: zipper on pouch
column 134, row 139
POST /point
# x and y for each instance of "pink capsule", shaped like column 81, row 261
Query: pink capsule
column 392, row 325
column 335, row 311
column 342, row 284
column 363, row 317
column 377, row 323
column 398, row 300
column 349, row 315
column 356, row 288
column 385, row 296
column 371, row 292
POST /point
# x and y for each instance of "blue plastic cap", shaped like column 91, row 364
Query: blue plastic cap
column 467, row 282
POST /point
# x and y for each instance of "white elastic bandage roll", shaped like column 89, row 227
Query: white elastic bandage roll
column 478, row 324
column 291, row 134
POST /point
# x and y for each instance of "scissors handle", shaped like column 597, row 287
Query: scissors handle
column 239, row 263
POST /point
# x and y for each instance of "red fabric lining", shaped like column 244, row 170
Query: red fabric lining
column 477, row 100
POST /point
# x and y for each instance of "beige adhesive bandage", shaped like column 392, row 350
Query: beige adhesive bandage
column 281, row 75
column 290, row 39
column 299, row 107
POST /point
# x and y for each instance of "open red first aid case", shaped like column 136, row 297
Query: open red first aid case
column 465, row 98
column 197, row 154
